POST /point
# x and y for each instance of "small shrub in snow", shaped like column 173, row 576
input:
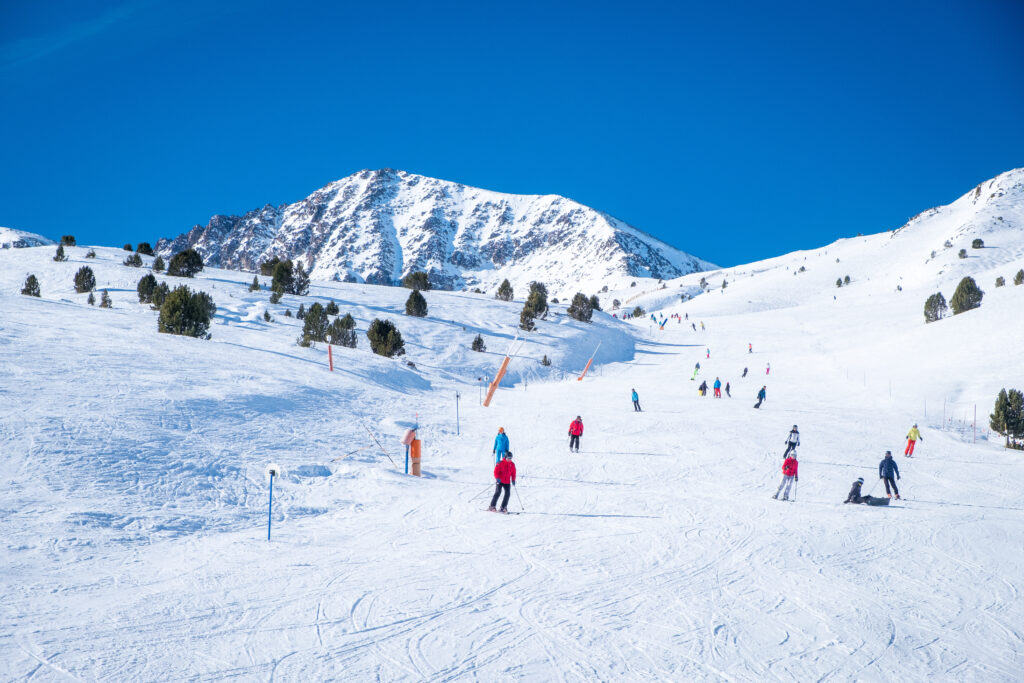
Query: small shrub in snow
column 967, row 296
column 85, row 281
column 105, row 300
column 536, row 306
column 31, row 287
column 616, row 303
column 90, row 254
column 186, row 313
column 935, row 308
column 580, row 308
column 416, row 280
column 725, row 283
column 947, row 244
column 839, row 282
column 332, row 308
column 266, row 316
column 977, row 244
column 1018, row 279
column 595, row 303
column 301, row 313
column 91, row 300
column 145, row 248
column 638, row 312
column 342, row 332
column 703, row 283
column 127, row 247
column 145, row 288
column 267, row 267
column 158, row 264
column 315, row 327
column 1007, row 417
column 478, row 344
column 185, row 264
column 803, row 269
column 963, row 253
column 527, row 319
column 60, row 256
column 68, row 240
column 545, row 361
column 1000, row 281
column 135, row 261
column 416, row 305
column 554, row 300
column 632, row 284
column 604, row 289
column 385, row 339
column 846, row 280
column 275, row 297
column 160, row 293
column 287, row 311
column 255, row 286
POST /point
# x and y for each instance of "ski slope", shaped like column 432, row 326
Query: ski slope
column 135, row 501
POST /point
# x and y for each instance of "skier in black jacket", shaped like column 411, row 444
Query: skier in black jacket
column 854, row 495
column 886, row 469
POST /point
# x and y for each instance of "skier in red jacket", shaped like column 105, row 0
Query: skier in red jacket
column 575, row 432
column 504, row 478
column 789, row 474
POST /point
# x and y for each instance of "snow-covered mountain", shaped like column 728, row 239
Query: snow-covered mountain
column 377, row 226
column 19, row 239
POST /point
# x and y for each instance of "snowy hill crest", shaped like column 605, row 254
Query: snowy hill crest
column 377, row 226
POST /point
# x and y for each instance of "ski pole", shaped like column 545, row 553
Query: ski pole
column 518, row 498
column 796, row 487
column 486, row 489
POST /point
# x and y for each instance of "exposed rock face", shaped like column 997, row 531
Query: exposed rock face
column 377, row 226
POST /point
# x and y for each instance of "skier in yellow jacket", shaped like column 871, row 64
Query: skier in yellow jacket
column 913, row 436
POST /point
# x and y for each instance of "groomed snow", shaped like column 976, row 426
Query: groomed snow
column 135, row 497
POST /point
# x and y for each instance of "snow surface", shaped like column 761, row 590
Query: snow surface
column 135, row 492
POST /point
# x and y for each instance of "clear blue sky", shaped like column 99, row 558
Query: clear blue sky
column 735, row 131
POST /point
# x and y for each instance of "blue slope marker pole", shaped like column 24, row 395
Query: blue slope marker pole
column 270, row 508
column 407, row 460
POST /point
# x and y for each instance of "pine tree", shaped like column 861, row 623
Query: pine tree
column 315, row 327
column 846, row 280
column 145, row 248
column 300, row 281
column 266, row 316
column 185, row 264
column 1007, row 418
column 160, row 293
column 332, row 308
column 145, row 288
column 186, row 313
column 283, row 277
column 91, row 300
column 977, row 244
column 31, row 287
column 90, row 254
column 967, row 296
column 158, row 264
column 478, row 344
column 639, row 312
column 68, row 240
column 416, row 305
column 935, row 308
column 417, row 280
column 616, row 303
column 385, row 339
column 301, row 313
column 60, row 256
column 85, row 281
column 105, row 300
column 580, row 308
column 135, row 261
column 1000, row 281
column 839, row 282
column 504, row 291
column 275, row 296
column 267, row 267
column 127, row 247
column 963, row 253
column 526, row 319
column 255, row 286
column 536, row 306
column 1018, row 279
column 595, row 303
column 545, row 361
column 342, row 332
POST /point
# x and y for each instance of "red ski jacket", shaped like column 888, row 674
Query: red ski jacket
column 505, row 472
column 576, row 428
column 789, row 467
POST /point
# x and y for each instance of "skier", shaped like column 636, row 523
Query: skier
column 761, row 396
column 744, row 372
column 703, row 388
column 750, row 347
column 636, row 402
column 886, row 469
column 792, row 441
column 701, row 325
column 727, row 390
column 500, row 445
column 718, row 388
column 789, row 475
column 768, row 369
column 854, row 495
column 913, row 436
column 687, row 316
column 708, row 352
column 696, row 369
column 504, row 479
column 575, row 432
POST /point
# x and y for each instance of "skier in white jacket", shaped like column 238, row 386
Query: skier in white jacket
column 792, row 441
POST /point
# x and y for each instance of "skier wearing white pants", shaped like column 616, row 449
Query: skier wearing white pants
column 789, row 475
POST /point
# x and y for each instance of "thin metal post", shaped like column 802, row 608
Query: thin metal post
column 270, row 508
column 457, row 433
column 975, row 423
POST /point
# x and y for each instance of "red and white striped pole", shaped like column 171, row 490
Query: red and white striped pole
column 330, row 357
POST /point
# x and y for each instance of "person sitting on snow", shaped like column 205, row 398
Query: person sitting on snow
column 854, row 496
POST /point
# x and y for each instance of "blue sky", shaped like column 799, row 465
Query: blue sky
column 735, row 131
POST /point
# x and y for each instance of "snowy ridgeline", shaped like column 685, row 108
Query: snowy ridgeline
column 135, row 494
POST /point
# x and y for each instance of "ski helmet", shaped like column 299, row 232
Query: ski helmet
column 888, row 454
column 508, row 454
column 860, row 480
column 501, row 430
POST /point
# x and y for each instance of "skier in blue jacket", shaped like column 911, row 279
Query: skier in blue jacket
column 636, row 402
column 500, row 445
column 886, row 469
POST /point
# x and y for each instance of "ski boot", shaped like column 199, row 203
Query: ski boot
column 503, row 511
column 492, row 509
column 785, row 498
column 776, row 496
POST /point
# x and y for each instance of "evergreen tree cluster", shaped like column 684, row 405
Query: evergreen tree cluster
column 144, row 248
column 580, row 308
column 342, row 332
column 158, row 264
column 1007, row 418
column 288, row 278
column 135, row 261
column 185, row 263
column 536, row 306
column 186, row 313
column 68, row 240
column 417, row 280
column 314, row 328
column 966, row 297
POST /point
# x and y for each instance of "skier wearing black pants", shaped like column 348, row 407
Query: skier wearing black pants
column 792, row 441
column 504, row 480
column 886, row 469
column 636, row 402
column 575, row 432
